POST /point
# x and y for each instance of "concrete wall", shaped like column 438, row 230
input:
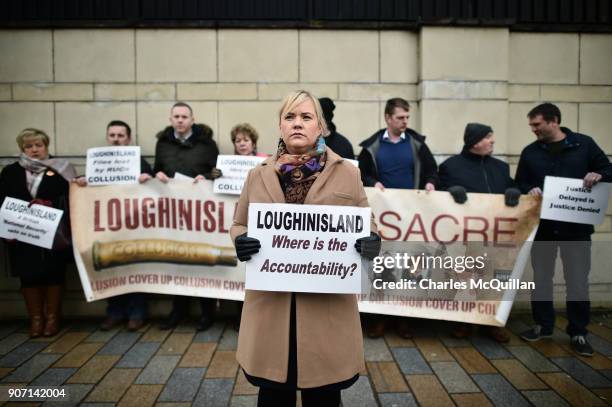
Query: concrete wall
column 72, row 82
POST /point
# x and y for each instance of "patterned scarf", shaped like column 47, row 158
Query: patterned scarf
column 297, row 172
column 62, row 167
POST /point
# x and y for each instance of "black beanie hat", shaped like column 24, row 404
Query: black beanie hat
column 474, row 132
column 328, row 106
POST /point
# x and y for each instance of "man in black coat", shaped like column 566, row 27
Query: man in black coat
column 334, row 140
column 560, row 152
column 476, row 170
column 396, row 157
column 189, row 149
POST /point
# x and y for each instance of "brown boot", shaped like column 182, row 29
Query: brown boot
column 53, row 309
column 34, row 303
column 376, row 326
column 498, row 334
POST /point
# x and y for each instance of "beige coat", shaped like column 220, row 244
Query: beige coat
column 329, row 338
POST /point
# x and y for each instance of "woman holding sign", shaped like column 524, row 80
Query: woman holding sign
column 290, row 341
column 39, row 179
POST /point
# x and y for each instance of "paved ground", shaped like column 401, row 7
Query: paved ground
column 184, row 367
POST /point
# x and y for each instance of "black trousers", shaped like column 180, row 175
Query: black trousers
column 180, row 306
column 576, row 260
column 310, row 398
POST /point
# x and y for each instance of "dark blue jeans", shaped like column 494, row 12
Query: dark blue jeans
column 576, row 260
column 130, row 306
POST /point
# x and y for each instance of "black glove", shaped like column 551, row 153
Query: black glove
column 368, row 247
column 459, row 194
column 213, row 174
column 512, row 196
column 246, row 246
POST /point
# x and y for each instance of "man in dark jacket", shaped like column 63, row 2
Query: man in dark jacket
column 397, row 157
column 132, row 306
column 334, row 140
column 189, row 149
column 560, row 152
column 476, row 170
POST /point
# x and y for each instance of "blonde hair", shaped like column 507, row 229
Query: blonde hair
column 31, row 133
column 247, row 129
column 299, row 96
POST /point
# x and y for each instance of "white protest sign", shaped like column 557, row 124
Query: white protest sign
column 34, row 224
column 235, row 169
column 182, row 177
column 113, row 165
column 565, row 199
column 306, row 248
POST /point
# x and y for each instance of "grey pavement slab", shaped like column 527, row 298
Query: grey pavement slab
column 600, row 345
column 454, row 378
column 183, row 385
column 158, row 370
column 32, row 368
column 8, row 327
column 359, row 394
column 10, row 342
column 119, row 344
column 83, row 326
column 582, row 372
column 499, row 391
column 243, row 401
column 101, row 336
column 533, row 359
column 214, row 392
column 451, row 342
column 545, row 398
column 410, row 361
column 139, row 355
column 21, row 353
column 54, row 376
column 74, row 394
column 517, row 326
column 397, row 400
column 607, row 373
column 376, row 350
column 229, row 339
column 212, row 334
column 489, row 348
column 97, row 404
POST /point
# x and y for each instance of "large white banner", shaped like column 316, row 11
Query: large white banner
column 34, row 224
column 306, row 248
column 174, row 239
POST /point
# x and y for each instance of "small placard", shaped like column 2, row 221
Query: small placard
column 235, row 169
column 113, row 165
column 566, row 199
column 34, row 224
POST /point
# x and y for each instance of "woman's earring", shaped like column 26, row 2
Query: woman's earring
column 320, row 145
